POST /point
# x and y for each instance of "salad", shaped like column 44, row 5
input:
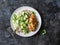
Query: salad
column 25, row 21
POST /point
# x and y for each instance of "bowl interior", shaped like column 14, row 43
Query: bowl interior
column 37, row 16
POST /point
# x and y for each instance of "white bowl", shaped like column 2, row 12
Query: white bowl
column 38, row 18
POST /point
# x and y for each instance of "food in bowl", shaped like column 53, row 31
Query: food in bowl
column 25, row 21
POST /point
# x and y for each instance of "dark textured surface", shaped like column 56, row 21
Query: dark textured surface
column 50, row 13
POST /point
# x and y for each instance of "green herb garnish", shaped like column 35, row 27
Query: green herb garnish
column 43, row 32
column 33, row 12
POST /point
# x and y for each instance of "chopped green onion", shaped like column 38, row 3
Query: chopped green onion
column 25, row 30
column 43, row 32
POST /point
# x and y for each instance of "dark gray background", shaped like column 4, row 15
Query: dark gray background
column 50, row 13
